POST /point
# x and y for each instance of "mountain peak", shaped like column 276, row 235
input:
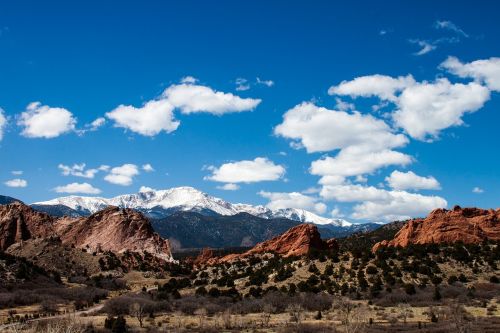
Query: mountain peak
column 162, row 203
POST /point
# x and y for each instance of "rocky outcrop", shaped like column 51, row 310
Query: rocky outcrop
column 206, row 256
column 297, row 241
column 467, row 225
column 19, row 222
column 112, row 229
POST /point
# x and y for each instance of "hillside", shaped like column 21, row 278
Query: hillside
column 465, row 225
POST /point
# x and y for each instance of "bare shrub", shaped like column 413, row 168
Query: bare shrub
column 351, row 315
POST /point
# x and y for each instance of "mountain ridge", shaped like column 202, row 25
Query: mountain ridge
column 163, row 203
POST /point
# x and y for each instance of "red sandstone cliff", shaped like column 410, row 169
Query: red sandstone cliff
column 468, row 225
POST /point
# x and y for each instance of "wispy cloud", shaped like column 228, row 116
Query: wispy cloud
column 448, row 25
column 425, row 46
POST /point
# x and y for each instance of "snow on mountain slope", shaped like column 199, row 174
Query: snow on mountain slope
column 169, row 201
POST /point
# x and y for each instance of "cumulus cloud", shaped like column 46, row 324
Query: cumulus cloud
column 353, row 193
column 79, row 170
column 336, row 212
column 191, row 98
column 477, row 190
column 3, row 123
column 319, row 129
column 400, row 205
column 282, row 200
column 17, row 172
column 83, row 188
column 122, row 175
column 382, row 86
column 375, row 203
column 427, row 108
column 486, row 71
column 148, row 167
column 42, row 121
column 17, row 182
column 149, row 120
column 423, row 109
column 146, row 189
column 189, row 80
column 410, row 181
column 354, row 162
column 247, row 171
column 158, row 115
column 229, row 187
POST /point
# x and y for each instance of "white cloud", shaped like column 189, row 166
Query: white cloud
column 427, row 108
column 16, row 183
column 319, row 129
column 157, row 115
column 353, row 162
column 190, row 98
column 448, row 25
column 148, row 167
column 84, row 188
column 268, row 83
column 382, row 86
column 79, row 170
column 353, row 193
column 425, row 46
column 189, row 80
column 410, row 181
column 122, row 175
column 146, row 189
column 376, row 204
column 343, row 106
column 242, row 84
column 282, row 200
column 485, row 70
column 258, row 170
column 229, row 187
column 97, row 123
column 477, row 190
column 424, row 108
column 3, row 123
column 149, row 120
column 400, row 205
column 336, row 212
column 42, row 121
column 17, row 172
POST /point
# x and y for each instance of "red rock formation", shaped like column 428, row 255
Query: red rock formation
column 296, row 241
column 206, row 255
column 468, row 225
column 112, row 229
column 19, row 222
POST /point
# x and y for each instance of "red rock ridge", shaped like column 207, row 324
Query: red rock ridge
column 112, row 229
column 468, row 225
column 297, row 241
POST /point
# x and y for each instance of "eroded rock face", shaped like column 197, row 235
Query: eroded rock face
column 112, row 229
column 297, row 241
column 468, row 225
column 19, row 222
column 206, row 256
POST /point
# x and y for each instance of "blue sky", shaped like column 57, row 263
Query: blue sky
column 434, row 116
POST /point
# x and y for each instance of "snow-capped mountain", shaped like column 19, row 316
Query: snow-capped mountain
column 162, row 203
